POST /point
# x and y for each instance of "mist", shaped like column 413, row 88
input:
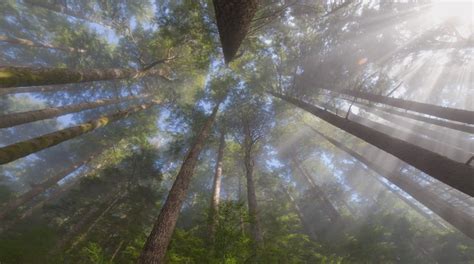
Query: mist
column 259, row 131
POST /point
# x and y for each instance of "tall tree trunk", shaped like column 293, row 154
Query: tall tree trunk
column 453, row 114
column 37, row 89
column 85, row 220
column 249, row 163
column 429, row 120
column 446, row 150
column 29, row 43
column 241, row 217
column 306, row 226
column 412, row 205
column 160, row 73
column 234, row 18
column 459, row 219
column 56, row 195
column 116, row 251
column 94, row 223
column 40, row 188
column 425, row 138
column 15, row 119
column 318, row 191
column 216, row 190
column 28, row 76
column 157, row 243
column 62, row 190
column 24, row 148
column 436, row 135
column 452, row 173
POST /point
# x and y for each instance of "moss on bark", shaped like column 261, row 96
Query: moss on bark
column 27, row 76
column 27, row 147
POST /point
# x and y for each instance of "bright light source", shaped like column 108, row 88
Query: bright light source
column 461, row 11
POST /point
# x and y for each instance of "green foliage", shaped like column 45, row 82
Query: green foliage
column 93, row 253
column 294, row 49
column 187, row 248
column 231, row 243
column 31, row 245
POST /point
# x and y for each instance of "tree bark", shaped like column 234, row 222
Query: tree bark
column 160, row 73
column 234, row 18
column 15, row 119
column 459, row 219
column 40, row 188
column 27, row 147
column 29, row 76
column 452, row 114
column 29, row 43
column 452, row 173
column 437, row 122
column 216, row 190
column 241, row 217
column 430, row 140
column 251, row 194
column 157, row 243
column 436, row 135
column 446, row 150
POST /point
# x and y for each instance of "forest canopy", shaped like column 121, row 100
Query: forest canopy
column 231, row 131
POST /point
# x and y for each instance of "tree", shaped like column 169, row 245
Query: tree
column 40, row 188
column 24, row 76
column 16, row 119
column 24, row 148
column 20, row 41
column 437, row 122
column 330, row 210
column 449, row 150
column 452, row 114
column 439, row 136
column 155, row 248
column 286, row 195
column 457, row 218
column 233, row 21
column 250, row 120
column 88, row 220
column 216, row 189
column 301, row 216
column 249, row 140
column 450, row 172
